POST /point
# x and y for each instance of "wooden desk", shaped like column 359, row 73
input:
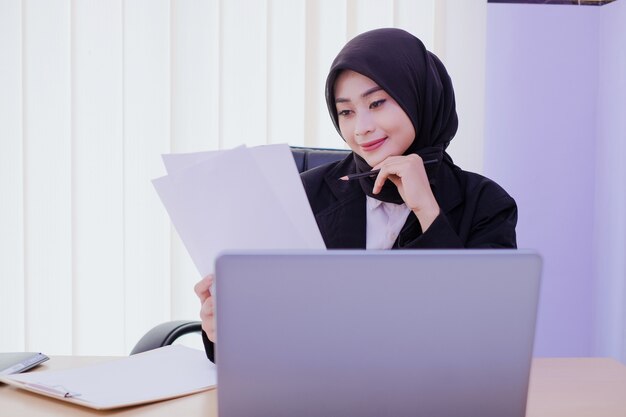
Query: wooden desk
column 15, row 402
column 590, row 387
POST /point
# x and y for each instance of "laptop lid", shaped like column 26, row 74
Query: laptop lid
column 375, row 333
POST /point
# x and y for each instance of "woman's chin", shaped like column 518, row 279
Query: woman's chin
column 373, row 160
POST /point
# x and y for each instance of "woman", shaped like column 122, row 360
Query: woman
column 393, row 103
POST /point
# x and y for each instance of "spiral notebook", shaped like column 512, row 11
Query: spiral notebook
column 156, row 375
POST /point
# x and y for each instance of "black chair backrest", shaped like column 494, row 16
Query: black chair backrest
column 307, row 158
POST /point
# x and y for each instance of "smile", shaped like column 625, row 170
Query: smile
column 375, row 144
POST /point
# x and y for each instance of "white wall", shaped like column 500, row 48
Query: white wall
column 462, row 49
column 554, row 139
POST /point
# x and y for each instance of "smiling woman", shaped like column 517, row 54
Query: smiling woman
column 393, row 103
column 377, row 130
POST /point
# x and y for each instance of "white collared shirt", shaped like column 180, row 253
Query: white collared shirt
column 384, row 223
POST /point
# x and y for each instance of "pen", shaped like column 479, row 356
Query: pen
column 374, row 172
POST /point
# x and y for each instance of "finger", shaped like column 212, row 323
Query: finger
column 207, row 316
column 202, row 291
column 387, row 171
column 380, row 180
column 204, row 284
column 203, row 287
column 207, row 311
column 397, row 181
column 209, row 328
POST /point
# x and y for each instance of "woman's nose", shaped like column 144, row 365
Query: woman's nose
column 364, row 124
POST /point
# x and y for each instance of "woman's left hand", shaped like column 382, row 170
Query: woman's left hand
column 409, row 176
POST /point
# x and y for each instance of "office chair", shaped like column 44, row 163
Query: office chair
column 166, row 333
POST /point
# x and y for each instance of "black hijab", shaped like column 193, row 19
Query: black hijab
column 417, row 80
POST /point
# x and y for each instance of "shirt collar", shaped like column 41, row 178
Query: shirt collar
column 372, row 203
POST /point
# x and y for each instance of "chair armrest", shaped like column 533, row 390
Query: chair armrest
column 165, row 334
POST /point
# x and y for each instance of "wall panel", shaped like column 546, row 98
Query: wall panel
column 47, row 175
column 286, row 69
column 11, row 179
column 195, row 75
column 327, row 31
column 540, row 146
column 98, row 176
column 146, row 135
column 366, row 15
column 464, row 57
column 417, row 17
column 243, row 72
column 609, row 240
column 195, row 122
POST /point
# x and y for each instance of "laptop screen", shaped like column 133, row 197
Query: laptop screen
column 375, row 333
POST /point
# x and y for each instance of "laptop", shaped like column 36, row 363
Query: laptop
column 375, row 333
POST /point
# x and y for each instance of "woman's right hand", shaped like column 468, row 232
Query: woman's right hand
column 207, row 313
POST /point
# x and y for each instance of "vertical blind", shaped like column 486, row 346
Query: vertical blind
column 93, row 92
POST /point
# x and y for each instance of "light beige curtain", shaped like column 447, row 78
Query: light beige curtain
column 94, row 91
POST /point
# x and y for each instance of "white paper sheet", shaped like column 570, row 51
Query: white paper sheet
column 275, row 162
column 167, row 372
column 178, row 161
column 237, row 199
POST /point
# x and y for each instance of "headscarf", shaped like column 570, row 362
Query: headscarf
column 417, row 80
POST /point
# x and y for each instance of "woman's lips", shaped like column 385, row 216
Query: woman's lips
column 375, row 144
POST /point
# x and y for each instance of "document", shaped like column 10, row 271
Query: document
column 243, row 198
column 160, row 374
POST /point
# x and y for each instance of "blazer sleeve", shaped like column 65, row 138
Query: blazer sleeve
column 488, row 224
column 209, row 347
column 495, row 228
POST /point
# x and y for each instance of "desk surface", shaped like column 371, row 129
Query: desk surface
column 558, row 388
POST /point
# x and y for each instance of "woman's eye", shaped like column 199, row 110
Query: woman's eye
column 343, row 112
column 377, row 103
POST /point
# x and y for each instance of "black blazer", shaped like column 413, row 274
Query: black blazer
column 475, row 211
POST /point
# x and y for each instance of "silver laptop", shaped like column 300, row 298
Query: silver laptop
column 362, row 333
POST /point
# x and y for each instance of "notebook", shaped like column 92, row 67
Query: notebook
column 366, row 333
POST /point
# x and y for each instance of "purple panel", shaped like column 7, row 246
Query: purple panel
column 541, row 81
column 610, row 226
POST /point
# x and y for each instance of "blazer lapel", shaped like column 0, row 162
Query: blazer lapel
column 343, row 222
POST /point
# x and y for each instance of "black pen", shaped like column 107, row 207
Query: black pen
column 374, row 172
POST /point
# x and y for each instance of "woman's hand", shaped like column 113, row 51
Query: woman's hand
column 207, row 313
column 409, row 176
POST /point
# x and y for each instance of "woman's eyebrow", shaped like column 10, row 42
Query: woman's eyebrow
column 365, row 94
column 371, row 91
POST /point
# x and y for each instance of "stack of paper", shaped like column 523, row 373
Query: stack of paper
column 159, row 374
column 244, row 198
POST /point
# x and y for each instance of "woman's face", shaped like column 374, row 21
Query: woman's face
column 371, row 122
